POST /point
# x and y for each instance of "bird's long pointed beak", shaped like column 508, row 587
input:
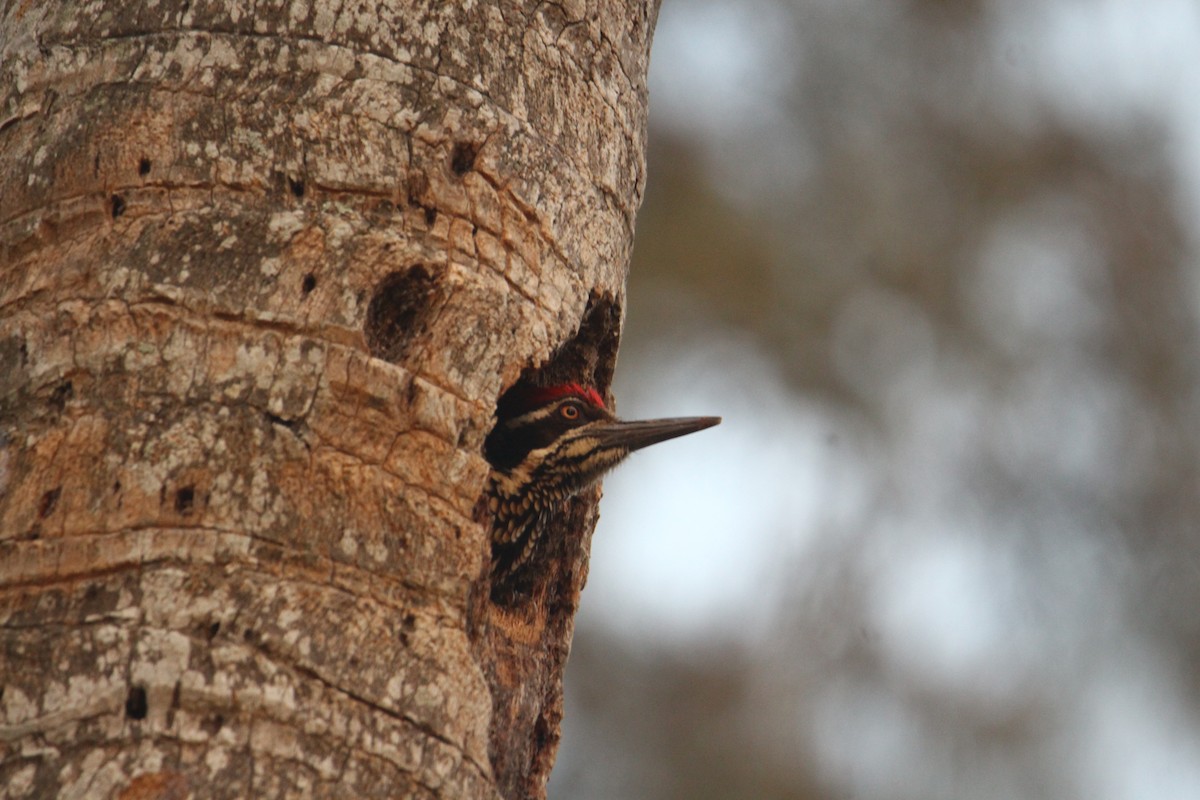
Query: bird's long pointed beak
column 642, row 433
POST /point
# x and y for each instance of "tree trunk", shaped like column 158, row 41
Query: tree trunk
column 264, row 271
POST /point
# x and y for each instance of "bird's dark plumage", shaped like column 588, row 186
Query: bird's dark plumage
column 548, row 445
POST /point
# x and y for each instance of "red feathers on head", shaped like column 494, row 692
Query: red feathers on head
column 587, row 394
column 527, row 398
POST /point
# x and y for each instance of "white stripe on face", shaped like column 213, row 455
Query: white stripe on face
column 537, row 414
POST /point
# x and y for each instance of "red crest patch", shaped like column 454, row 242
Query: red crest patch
column 533, row 397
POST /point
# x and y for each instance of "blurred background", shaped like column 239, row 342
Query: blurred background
column 936, row 263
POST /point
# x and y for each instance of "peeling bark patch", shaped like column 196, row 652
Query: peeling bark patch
column 165, row 785
column 185, row 500
column 462, row 157
column 135, row 703
column 308, row 284
column 48, row 502
column 144, row 167
column 398, row 310
column 118, row 205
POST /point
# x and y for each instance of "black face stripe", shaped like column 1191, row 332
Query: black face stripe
column 569, row 473
column 513, row 439
column 541, row 457
column 552, row 457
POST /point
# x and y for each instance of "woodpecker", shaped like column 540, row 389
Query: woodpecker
column 548, row 445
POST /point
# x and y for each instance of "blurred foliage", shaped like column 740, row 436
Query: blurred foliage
column 667, row 725
column 1002, row 296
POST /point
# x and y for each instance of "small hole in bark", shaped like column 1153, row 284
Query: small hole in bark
column 397, row 311
column 96, row 602
column 297, row 186
column 144, row 167
column 212, row 725
column 541, row 733
column 135, row 703
column 185, row 499
column 293, row 425
column 116, row 487
column 462, row 157
column 430, row 215
column 308, row 284
column 213, row 630
column 248, row 635
column 48, row 502
column 118, row 205
column 61, row 394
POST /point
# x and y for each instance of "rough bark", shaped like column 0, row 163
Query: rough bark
column 264, row 271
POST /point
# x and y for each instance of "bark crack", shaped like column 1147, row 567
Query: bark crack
column 422, row 727
column 579, row 164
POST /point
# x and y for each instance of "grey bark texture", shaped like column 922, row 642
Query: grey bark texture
column 265, row 269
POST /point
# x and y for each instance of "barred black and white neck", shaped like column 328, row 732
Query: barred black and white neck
column 548, row 445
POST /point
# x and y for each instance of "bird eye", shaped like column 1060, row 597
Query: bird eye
column 570, row 412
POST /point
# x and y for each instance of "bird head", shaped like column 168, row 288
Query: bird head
column 563, row 439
